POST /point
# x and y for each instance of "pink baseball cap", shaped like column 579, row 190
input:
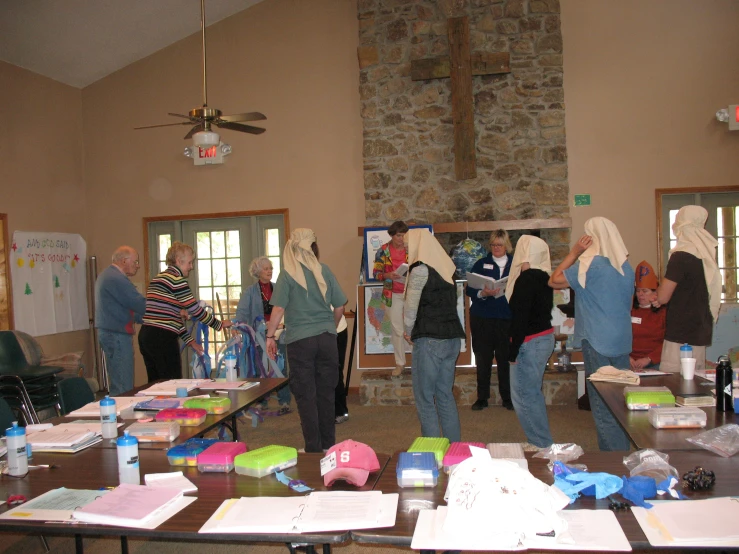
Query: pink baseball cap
column 354, row 462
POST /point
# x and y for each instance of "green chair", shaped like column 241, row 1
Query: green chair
column 74, row 392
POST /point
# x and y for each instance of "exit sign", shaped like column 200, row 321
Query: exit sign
column 582, row 200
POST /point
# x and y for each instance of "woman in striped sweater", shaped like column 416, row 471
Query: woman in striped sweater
column 168, row 294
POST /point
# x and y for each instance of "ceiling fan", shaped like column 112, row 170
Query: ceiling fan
column 204, row 117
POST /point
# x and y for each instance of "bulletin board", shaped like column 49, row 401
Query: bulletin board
column 373, row 331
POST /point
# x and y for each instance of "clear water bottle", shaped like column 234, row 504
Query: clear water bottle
column 686, row 351
column 229, row 361
column 108, row 419
column 128, row 459
column 15, row 438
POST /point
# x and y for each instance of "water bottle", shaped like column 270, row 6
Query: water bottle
column 686, row 351
column 128, row 459
column 108, row 419
column 724, row 378
column 15, row 438
column 230, row 362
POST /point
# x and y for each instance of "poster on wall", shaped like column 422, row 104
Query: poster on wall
column 49, row 282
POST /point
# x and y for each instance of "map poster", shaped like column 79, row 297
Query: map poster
column 375, row 347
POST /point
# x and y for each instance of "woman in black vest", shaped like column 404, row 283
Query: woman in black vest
column 432, row 325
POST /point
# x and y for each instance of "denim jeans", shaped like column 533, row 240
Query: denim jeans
column 118, row 348
column 433, row 368
column 611, row 435
column 526, row 382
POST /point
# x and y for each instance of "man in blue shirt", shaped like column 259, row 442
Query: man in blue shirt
column 118, row 305
column 599, row 273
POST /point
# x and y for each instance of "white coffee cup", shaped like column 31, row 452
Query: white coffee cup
column 687, row 368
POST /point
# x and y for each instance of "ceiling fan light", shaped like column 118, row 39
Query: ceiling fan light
column 206, row 139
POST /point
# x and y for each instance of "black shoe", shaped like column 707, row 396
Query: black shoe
column 479, row 405
column 508, row 405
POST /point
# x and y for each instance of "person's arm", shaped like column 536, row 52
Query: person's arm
column 274, row 322
column 664, row 292
column 558, row 281
column 416, row 281
column 338, row 314
column 129, row 297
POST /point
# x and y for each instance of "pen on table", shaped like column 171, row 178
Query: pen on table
column 44, row 466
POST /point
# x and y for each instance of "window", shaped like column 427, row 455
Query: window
column 722, row 205
column 165, row 241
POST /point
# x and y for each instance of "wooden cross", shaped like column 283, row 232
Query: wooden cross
column 461, row 65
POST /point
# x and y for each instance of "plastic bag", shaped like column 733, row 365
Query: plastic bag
column 565, row 452
column 650, row 463
column 723, row 440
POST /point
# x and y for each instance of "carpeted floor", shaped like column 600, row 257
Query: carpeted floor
column 386, row 429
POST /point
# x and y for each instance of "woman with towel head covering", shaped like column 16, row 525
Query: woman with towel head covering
column 532, row 335
column 692, row 286
column 305, row 292
column 597, row 269
column 432, row 325
column 647, row 322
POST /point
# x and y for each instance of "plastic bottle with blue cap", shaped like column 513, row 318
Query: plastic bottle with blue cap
column 128, row 459
column 686, row 351
column 229, row 360
column 108, row 419
column 15, row 438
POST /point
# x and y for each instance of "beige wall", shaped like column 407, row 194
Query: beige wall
column 643, row 80
column 42, row 166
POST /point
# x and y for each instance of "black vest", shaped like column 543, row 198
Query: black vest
column 437, row 309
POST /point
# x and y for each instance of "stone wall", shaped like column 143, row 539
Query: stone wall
column 519, row 117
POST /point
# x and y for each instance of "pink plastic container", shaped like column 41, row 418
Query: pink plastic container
column 458, row 452
column 220, row 456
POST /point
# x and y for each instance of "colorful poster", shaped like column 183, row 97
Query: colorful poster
column 49, row 278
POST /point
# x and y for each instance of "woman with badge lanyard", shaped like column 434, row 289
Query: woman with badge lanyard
column 647, row 322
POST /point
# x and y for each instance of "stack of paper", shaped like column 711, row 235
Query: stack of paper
column 691, row 523
column 222, row 384
column 122, row 403
column 134, row 506
column 70, row 437
column 315, row 513
column 169, row 388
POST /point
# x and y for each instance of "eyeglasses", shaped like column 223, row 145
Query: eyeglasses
column 494, row 245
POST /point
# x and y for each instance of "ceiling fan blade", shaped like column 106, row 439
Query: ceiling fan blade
column 163, row 125
column 251, row 116
column 241, row 127
column 193, row 131
column 179, row 115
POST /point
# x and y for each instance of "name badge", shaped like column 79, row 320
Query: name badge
column 489, row 266
column 636, row 320
column 328, row 463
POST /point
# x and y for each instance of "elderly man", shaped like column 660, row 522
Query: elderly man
column 118, row 305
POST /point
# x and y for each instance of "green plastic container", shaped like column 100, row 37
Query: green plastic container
column 437, row 445
column 210, row 405
column 265, row 460
column 643, row 398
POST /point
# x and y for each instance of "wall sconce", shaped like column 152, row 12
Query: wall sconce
column 729, row 115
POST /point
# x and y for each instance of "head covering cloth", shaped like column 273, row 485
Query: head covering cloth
column 529, row 249
column 423, row 247
column 694, row 239
column 298, row 252
column 607, row 242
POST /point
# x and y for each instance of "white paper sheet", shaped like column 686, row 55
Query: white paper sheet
column 121, row 403
column 173, row 480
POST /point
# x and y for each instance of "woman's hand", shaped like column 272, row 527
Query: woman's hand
column 582, row 245
column 392, row 276
column 271, row 348
column 640, row 363
column 407, row 337
column 226, row 323
column 198, row 348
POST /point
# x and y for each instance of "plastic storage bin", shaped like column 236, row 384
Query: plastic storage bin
column 643, row 398
column 220, row 456
column 677, row 418
column 186, row 417
column 186, row 454
column 265, row 460
column 458, row 452
column 210, row 405
column 511, row 451
column 437, row 445
column 417, row 469
column 155, row 431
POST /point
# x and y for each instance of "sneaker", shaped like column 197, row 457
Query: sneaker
column 341, row 418
column 284, row 409
column 479, row 405
column 528, row 447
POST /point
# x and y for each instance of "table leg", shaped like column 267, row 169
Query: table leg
column 78, row 546
column 124, row 544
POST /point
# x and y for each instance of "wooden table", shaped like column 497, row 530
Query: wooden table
column 414, row 499
column 96, row 468
column 636, row 422
column 240, row 400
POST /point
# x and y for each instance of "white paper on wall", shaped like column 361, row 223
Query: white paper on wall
column 49, row 277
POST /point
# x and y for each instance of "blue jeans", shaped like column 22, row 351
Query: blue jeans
column 526, row 382
column 611, row 435
column 433, row 366
column 118, row 348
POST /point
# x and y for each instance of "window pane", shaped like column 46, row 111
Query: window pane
column 234, row 271
column 204, row 277
column 219, row 272
column 206, row 294
column 165, row 241
column 233, row 244
column 276, row 268
column 220, row 293
column 203, row 246
column 673, row 215
column 272, row 242
column 162, row 266
column 218, row 244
